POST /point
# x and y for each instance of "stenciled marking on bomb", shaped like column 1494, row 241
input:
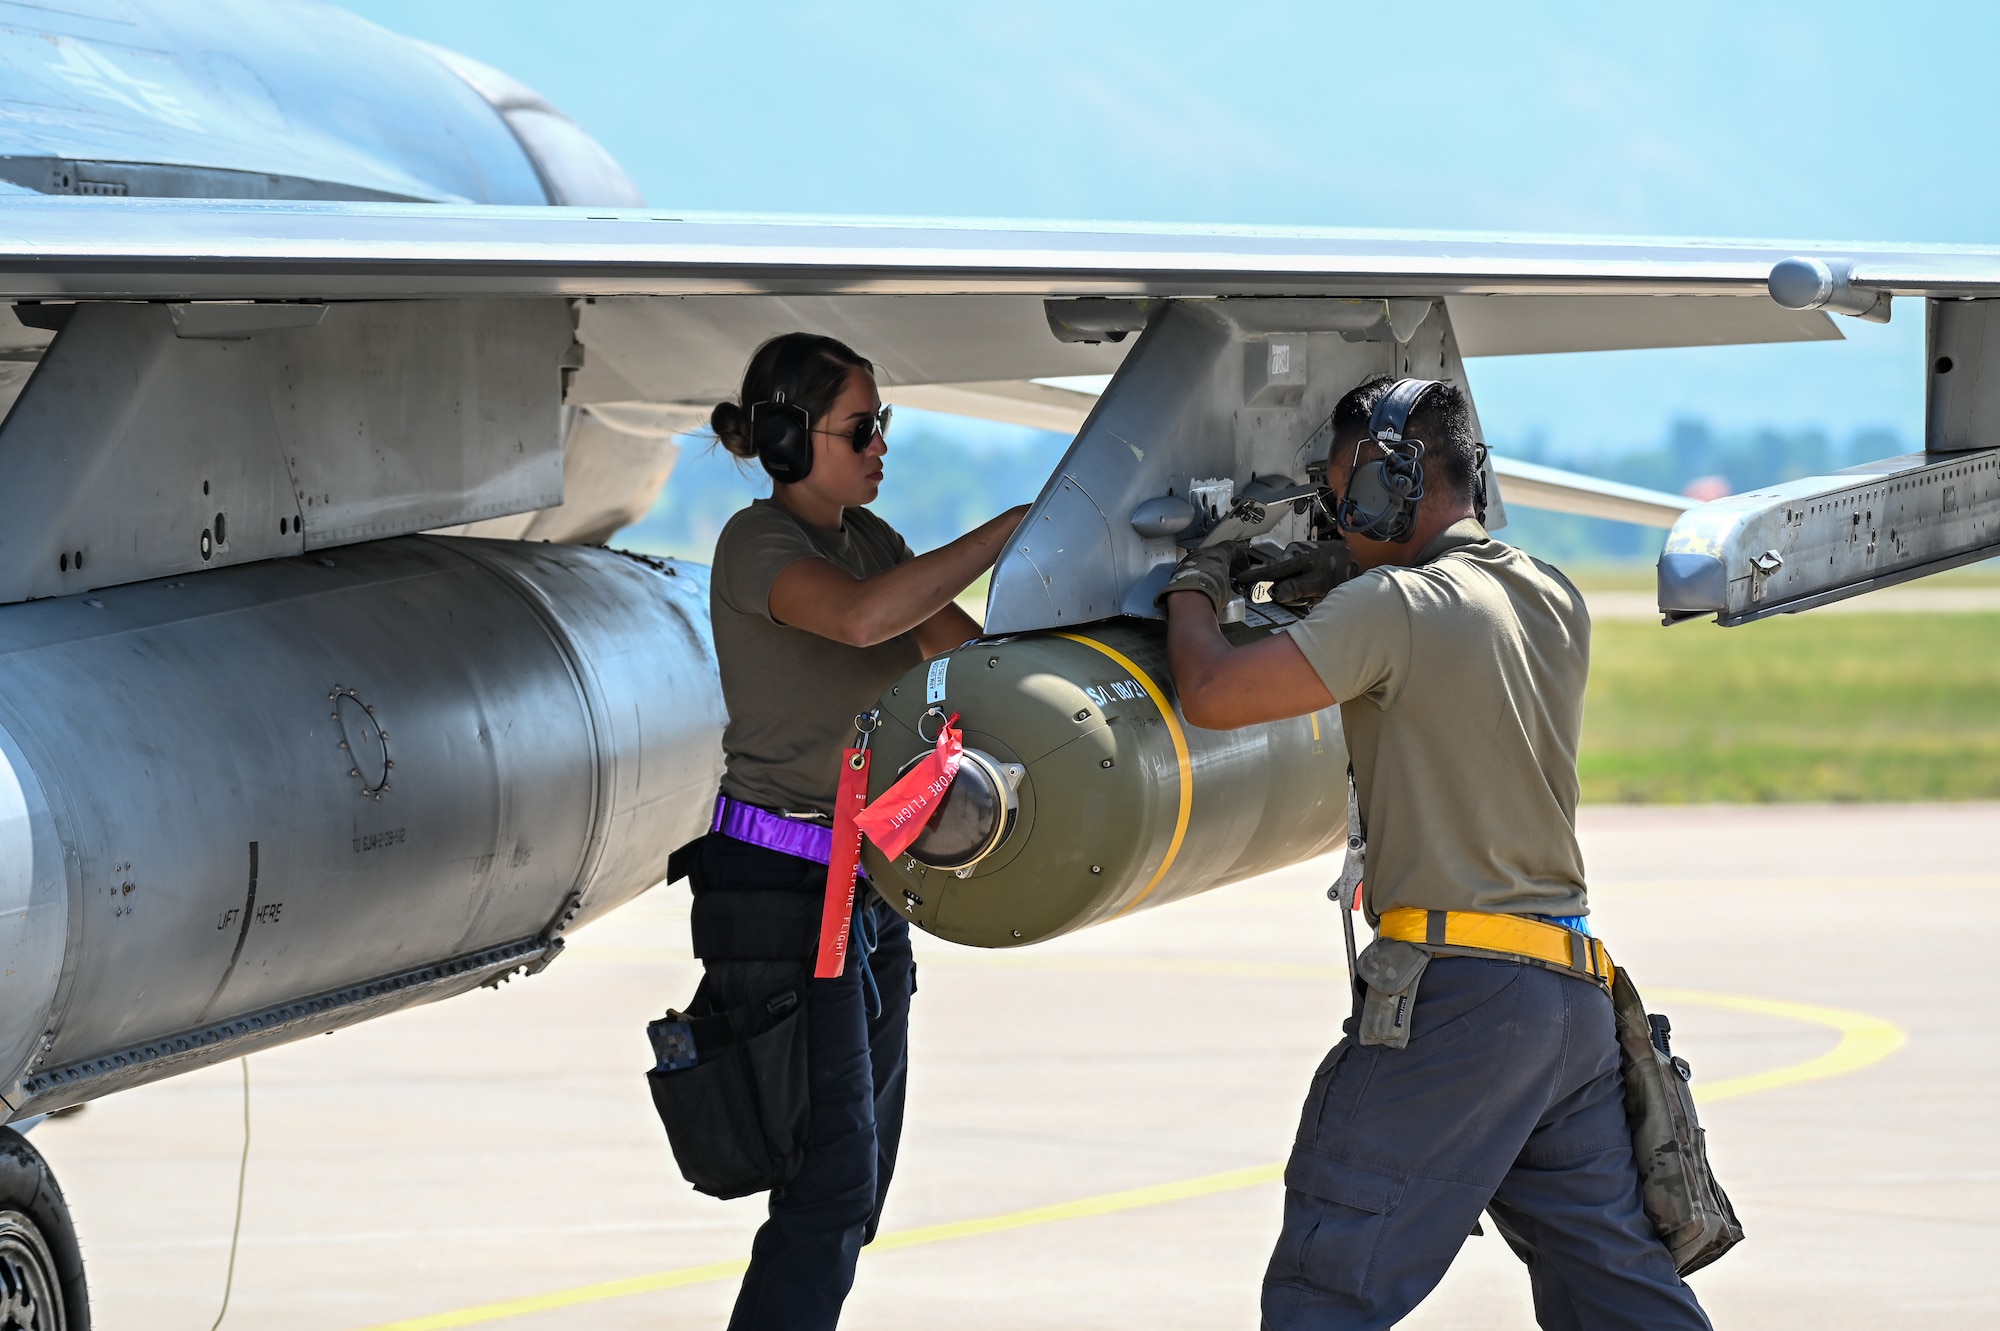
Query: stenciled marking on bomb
column 1117, row 690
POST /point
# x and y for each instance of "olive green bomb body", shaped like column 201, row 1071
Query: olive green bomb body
column 1084, row 795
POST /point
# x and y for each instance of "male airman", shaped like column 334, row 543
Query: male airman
column 1480, row 1072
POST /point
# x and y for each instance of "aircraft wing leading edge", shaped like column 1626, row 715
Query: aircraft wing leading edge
column 178, row 249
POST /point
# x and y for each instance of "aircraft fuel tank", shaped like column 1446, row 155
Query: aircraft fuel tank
column 1084, row 795
column 248, row 805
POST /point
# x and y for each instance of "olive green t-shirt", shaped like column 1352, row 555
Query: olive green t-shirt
column 1460, row 682
column 792, row 695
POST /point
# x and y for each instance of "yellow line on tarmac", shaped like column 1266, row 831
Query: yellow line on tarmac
column 1106, row 1204
column 569, row 1298
column 1863, row 1040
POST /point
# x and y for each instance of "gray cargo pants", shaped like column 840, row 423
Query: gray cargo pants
column 1508, row 1101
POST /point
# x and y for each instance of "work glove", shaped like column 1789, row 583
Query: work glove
column 1306, row 571
column 1208, row 571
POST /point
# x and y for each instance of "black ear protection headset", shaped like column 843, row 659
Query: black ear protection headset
column 780, row 429
column 1383, row 494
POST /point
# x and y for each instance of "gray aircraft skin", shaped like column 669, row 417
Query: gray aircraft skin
column 452, row 799
column 248, row 99
column 329, row 360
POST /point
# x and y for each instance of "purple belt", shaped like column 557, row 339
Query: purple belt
column 760, row 827
column 809, row 841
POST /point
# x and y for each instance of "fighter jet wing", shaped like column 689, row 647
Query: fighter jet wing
column 963, row 315
column 186, row 249
column 1531, row 485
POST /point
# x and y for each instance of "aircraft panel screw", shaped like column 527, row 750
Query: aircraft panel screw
column 1097, row 868
column 1105, row 763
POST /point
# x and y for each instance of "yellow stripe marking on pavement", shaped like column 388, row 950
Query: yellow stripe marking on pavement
column 570, row 1298
column 1864, row 1040
column 1105, row 1204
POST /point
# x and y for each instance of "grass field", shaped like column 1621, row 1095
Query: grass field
column 1829, row 707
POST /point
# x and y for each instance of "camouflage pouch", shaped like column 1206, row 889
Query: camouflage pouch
column 1687, row 1207
column 1390, row 968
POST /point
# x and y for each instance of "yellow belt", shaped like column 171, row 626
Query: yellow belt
column 1511, row 935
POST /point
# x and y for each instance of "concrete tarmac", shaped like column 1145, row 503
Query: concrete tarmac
column 1095, row 1123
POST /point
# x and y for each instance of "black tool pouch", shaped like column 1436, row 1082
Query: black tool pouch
column 1688, row 1208
column 1390, row 968
column 737, row 1119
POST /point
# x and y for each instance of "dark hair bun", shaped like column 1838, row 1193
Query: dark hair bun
column 732, row 427
column 804, row 370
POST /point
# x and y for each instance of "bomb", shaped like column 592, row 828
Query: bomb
column 1084, row 795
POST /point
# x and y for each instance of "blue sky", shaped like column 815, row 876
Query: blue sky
column 1823, row 122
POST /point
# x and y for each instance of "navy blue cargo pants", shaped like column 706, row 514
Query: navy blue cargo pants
column 1508, row 1100
column 802, row 1260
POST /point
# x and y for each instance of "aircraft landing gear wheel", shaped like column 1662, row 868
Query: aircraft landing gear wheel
column 41, row 1267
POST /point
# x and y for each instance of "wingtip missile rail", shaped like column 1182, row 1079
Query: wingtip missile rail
column 1810, row 542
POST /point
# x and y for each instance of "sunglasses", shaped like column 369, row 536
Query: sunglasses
column 865, row 429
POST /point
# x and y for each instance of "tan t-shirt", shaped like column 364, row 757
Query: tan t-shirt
column 792, row 695
column 1460, row 683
